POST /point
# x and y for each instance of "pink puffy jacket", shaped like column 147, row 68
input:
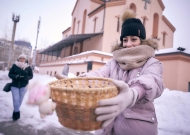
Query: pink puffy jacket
column 147, row 80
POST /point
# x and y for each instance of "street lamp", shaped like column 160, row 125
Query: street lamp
column 35, row 50
column 15, row 19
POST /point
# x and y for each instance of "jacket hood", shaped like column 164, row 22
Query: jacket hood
column 150, row 42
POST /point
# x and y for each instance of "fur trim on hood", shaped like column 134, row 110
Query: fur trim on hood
column 150, row 42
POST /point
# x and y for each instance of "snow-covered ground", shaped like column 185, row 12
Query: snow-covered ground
column 172, row 108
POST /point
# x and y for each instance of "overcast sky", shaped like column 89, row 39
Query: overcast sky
column 56, row 17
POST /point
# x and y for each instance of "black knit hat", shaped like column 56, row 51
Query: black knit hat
column 133, row 27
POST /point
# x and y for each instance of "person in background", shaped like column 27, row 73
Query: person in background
column 138, row 77
column 65, row 69
column 20, row 73
column 65, row 72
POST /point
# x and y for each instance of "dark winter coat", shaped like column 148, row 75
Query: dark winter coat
column 19, row 76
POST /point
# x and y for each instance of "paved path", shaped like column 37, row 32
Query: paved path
column 13, row 128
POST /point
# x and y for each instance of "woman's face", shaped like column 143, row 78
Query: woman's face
column 131, row 41
column 21, row 59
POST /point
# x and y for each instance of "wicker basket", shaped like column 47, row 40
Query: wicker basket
column 77, row 98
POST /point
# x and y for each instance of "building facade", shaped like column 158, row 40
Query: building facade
column 96, row 25
column 19, row 48
column 176, row 69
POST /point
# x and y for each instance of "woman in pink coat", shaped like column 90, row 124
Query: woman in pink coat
column 138, row 76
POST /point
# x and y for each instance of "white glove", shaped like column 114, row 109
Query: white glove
column 82, row 75
column 110, row 108
column 59, row 76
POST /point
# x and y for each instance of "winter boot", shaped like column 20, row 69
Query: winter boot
column 16, row 116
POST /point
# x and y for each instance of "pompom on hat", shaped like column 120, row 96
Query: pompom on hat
column 132, row 26
column 22, row 55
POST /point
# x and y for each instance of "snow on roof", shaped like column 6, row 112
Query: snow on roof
column 75, row 62
column 171, row 50
column 93, row 51
column 98, row 52
column 161, row 51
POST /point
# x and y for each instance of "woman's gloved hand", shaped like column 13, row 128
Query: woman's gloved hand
column 17, row 76
column 20, row 77
column 109, row 109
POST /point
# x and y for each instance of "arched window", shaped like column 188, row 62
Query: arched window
column 84, row 22
column 164, row 38
column 73, row 30
column 133, row 7
column 155, row 26
column 75, row 50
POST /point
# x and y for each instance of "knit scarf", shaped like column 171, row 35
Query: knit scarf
column 134, row 57
column 22, row 65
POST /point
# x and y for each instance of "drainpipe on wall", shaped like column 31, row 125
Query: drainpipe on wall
column 57, row 53
column 64, row 52
column 51, row 55
column 104, row 14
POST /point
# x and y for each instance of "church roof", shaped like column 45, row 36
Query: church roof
column 68, row 41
